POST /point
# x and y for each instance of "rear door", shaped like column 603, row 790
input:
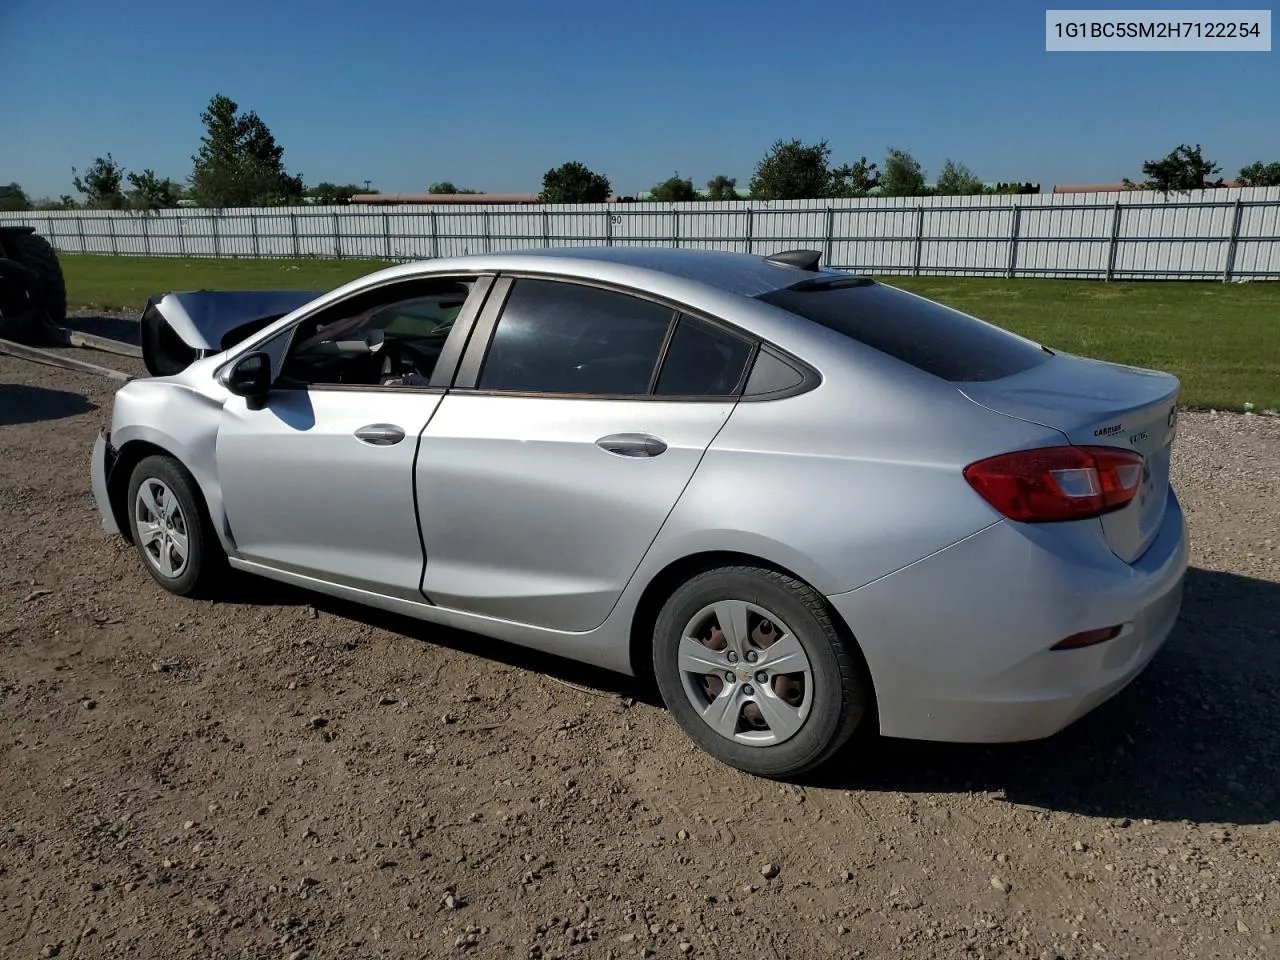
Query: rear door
column 578, row 418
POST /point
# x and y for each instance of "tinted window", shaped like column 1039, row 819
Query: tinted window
column 925, row 334
column 428, row 317
column 771, row 375
column 702, row 361
column 558, row 337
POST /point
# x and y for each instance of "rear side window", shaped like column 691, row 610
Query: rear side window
column 555, row 337
column 702, row 361
column 925, row 334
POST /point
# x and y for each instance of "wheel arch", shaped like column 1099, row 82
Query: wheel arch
column 669, row 578
column 129, row 455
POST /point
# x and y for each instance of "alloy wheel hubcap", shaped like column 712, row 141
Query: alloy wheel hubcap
column 162, row 528
column 745, row 673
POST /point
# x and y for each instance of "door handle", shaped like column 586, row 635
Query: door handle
column 380, row 434
column 632, row 445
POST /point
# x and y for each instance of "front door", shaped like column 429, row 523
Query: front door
column 320, row 480
column 543, row 482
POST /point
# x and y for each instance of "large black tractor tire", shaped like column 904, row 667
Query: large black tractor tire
column 37, row 254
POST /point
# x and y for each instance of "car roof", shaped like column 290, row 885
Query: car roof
column 747, row 275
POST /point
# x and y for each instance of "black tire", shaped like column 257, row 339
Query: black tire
column 37, row 254
column 205, row 562
column 841, row 690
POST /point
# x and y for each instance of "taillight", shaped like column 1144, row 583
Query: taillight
column 1057, row 483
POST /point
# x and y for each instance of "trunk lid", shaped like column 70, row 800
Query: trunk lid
column 1094, row 403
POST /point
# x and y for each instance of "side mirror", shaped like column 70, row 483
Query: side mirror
column 251, row 378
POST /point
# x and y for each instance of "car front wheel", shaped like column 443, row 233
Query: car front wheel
column 169, row 528
column 755, row 671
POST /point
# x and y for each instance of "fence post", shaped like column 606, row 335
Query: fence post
column 146, row 232
column 111, row 225
column 80, row 230
column 831, row 222
column 217, row 240
column 293, row 229
column 435, row 235
column 337, row 237
column 253, row 228
column 182, row 238
column 915, row 267
column 608, row 229
column 488, row 235
column 386, row 235
column 1013, row 241
column 1114, row 246
column 750, row 229
column 546, row 229
column 1230, row 265
column 675, row 229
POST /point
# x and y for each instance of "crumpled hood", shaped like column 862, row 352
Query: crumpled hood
column 202, row 318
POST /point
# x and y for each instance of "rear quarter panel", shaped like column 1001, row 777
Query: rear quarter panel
column 848, row 482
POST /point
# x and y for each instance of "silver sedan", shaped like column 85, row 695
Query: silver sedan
column 802, row 501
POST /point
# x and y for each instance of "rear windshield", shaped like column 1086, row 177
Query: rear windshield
column 925, row 334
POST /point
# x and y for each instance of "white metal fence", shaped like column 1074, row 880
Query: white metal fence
column 1224, row 234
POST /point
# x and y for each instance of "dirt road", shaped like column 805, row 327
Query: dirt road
column 284, row 776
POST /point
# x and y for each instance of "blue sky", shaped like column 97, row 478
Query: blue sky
column 491, row 93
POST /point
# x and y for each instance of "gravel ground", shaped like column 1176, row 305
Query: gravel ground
column 284, row 776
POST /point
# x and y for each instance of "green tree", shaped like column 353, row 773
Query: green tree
column 64, row 202
column 792, row 170
column 573, row 182
column 239, row 163
column 101, row 184
column 674, row 190
column 13, row 198
column 902, row 176
column 854, row 179
column 721, row 187
column 447, row 186
column 957, row 180
column 334, row 194
column 1185, row 168
column 1260, row 175
column 151, row 192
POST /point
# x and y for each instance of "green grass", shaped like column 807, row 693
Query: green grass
column 1222, row 340
column 125, row 283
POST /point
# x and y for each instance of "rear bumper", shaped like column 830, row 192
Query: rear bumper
column 958, row 643
column 104, row 458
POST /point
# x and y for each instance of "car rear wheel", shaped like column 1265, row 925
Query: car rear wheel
column 756, row 672
column 170, row 527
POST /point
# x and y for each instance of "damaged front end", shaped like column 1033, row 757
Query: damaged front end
column 177, row 329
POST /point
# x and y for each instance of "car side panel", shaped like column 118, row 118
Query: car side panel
column 525, row 518
column 172, row 416
column 302, row 492
column 846, row 483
